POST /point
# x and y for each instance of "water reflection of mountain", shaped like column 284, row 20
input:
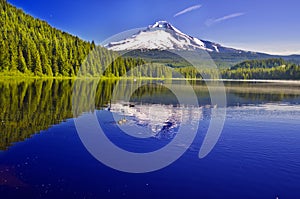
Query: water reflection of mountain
column 30, row 106
column 155, row 120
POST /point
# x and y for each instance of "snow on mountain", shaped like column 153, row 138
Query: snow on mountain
column 163, row 36
column 156, row 119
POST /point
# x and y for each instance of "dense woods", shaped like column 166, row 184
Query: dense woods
column 263, row 69
column 271, row 69
column 265, row 63
column 32, row 47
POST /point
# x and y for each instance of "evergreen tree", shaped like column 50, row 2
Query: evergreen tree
column 21, row 61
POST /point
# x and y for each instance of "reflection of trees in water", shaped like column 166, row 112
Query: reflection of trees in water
column 259, row 98
column 155, row 93
column 239, row 93
column 262, row 96
column 30, row 106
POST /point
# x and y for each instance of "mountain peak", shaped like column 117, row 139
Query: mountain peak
column 164, row 25
column 163, row 36
column 161, row 24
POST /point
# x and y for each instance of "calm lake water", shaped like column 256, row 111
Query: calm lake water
column 42, row 155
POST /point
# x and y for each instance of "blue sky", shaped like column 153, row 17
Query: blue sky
column 260, row 25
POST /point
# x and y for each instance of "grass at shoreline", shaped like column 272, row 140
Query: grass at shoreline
column 21, row 76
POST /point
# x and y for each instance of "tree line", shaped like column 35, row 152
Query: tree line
column 263, row 69
column 272, row 69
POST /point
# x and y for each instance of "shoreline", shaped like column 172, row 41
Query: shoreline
column 16, row 78
column 259, row 81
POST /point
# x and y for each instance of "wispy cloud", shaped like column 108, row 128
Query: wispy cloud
column 234, row 15
column 189, row 9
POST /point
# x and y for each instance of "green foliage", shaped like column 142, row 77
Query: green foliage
column 266, row 63
column 263, row 69
column 31, row 45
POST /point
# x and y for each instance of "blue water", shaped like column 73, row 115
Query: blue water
column 257, row 156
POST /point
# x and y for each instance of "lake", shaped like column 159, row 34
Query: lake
column 43, row 154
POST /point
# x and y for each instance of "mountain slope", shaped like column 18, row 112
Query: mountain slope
column 157, row 42
column 163, row 36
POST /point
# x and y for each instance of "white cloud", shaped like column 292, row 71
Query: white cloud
column 234, row 15
column 189, row 9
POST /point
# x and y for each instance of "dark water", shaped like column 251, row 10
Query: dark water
column 42, row 156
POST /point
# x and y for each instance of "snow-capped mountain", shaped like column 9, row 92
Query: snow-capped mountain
column 163, row 36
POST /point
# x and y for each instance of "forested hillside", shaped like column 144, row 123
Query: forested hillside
column 265, row 63
column 32, row 47
column 263, row 69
